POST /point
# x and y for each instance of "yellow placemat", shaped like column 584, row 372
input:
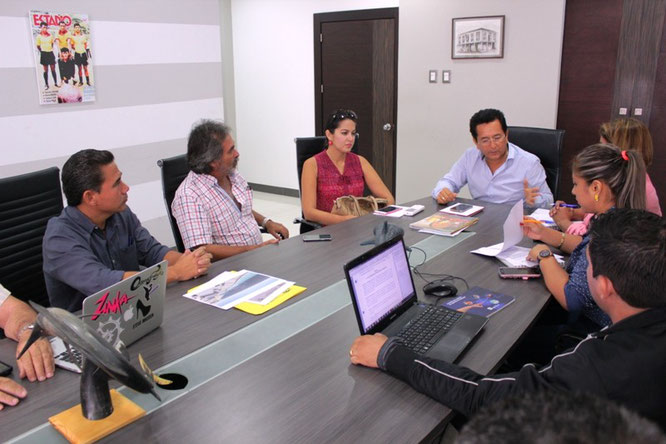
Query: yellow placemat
column 77, row 429
column 257, row 309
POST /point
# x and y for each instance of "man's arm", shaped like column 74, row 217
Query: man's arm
column 223, row 251
column 464, row 390
column 277, row 230
column 454, row 180
column 188, row 265
column 15, row 318
column 536, row 178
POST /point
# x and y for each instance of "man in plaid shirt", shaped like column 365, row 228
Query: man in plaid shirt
column 213, row 204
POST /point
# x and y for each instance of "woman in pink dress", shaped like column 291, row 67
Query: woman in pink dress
column 336, row 172
column 626, row 133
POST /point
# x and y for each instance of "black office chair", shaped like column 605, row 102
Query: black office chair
column 547, row 145
column 27, row 202
column 307, row 147
column 174, row 169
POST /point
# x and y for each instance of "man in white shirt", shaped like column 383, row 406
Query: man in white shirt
column 495, row 170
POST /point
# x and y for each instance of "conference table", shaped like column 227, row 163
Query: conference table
column 285, row 376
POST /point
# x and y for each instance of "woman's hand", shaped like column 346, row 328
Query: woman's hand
column 533, row 229
column 533, row 255
column 562, row 215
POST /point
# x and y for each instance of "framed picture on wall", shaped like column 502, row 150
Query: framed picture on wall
column 477, row 37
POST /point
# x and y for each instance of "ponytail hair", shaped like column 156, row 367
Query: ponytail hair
column 623, row 172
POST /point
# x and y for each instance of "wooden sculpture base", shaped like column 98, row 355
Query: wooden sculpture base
column 77, row 429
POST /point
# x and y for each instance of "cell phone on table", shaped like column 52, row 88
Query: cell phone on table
column 388, row 209
column 519, row 273
column 5, row 369
column 316, row 237
column 461, row 208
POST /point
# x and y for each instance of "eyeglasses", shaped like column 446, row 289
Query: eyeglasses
column 485, row 141
column 343, row 114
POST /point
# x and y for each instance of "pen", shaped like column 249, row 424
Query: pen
column 531, row 221
column 567, row 205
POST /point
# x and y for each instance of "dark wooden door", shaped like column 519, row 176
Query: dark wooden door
column 613, row 64
column 589, row 53
column 658, row 125
column 356, row 68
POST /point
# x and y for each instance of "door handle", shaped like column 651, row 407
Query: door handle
column 387, row 127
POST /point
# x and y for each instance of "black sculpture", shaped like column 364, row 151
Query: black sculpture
column 99, row 355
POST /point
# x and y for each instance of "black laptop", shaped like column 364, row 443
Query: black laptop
column 384, row 298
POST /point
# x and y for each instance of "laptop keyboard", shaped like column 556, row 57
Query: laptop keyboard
column 420, row 334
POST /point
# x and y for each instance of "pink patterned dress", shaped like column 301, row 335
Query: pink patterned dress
column 331, row 184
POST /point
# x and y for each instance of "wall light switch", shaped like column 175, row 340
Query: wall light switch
column 623, row 111
column 638, row 111
column 446, row 76
column 432, row 76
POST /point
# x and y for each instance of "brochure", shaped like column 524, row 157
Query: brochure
column 479, row 301
column 229, row 289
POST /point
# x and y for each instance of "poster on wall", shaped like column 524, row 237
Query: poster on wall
column 63, row 57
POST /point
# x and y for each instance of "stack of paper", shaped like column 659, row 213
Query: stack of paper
column 229, row 289
column 508, row 252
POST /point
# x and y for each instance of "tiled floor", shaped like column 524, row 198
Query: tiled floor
column 280, row 208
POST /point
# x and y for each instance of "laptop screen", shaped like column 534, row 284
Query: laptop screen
column 129, row 309
column 380, row 284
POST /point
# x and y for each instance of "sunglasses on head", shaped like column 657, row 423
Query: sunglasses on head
column 344, row 114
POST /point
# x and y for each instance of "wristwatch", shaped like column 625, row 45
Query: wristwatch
column 544, row 254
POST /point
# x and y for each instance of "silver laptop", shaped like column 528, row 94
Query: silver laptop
column 130, row 309
column 384, row 298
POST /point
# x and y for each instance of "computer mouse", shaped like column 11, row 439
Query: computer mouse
column 441, row 288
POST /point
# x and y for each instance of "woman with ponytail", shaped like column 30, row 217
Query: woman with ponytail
column 604, row 177
column 626, row 133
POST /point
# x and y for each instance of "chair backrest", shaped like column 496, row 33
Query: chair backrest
column 27, row 202
column 547, row 145
column 174, row 169
column 307, row 147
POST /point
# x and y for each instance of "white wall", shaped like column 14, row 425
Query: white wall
column 274, row 77
column 157, row 69
column 433, row 119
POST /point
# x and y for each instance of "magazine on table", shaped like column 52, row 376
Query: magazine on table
column 444, row 224
column 479, row 301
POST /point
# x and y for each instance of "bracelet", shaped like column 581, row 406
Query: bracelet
column 561, row 241
column 264, row 222
column 29, row 326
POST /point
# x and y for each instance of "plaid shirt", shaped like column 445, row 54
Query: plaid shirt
column 206, row 214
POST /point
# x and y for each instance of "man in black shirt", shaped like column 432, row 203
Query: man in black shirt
column 625, row 362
